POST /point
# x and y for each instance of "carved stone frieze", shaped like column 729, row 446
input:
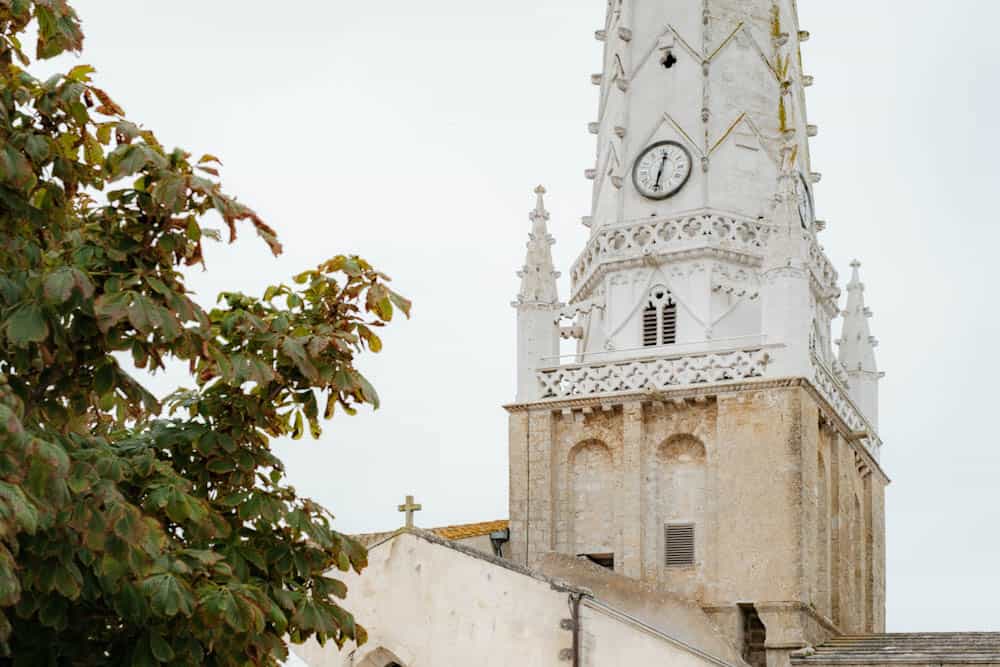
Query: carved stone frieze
column 651, row 374
column 660, row 236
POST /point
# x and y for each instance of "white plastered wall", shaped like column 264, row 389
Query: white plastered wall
column 427, row 604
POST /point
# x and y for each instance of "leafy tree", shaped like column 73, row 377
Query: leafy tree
column 135, row 533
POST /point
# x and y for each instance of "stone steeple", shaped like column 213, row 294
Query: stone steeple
column 702, row 437
column 857, row 348
column 701, row 128
column 537, row 304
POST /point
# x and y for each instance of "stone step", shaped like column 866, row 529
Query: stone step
column 867, row 649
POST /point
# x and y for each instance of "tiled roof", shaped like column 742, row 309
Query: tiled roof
column 463, row 532
column 938, row 649
column 470, row 530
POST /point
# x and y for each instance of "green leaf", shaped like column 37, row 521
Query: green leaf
column 160, row 648
column 169, row 190
column 127, row 160
column 27, row 325
column 15, row 169
column 69, row 581
column 368, row 390
column 297, row 353
column 104, row 379
column 104, row 133
column 111, row 309
column 221, row 466
column 93, row 152
column 53, row 612
column 37, row 148
column 403, row 304
column 313, row 616
column 81, row 73
column 144, row 315
column 374, row 342
column 168, row 596
column 10, row 585
column 14, row 501
column 59, row 285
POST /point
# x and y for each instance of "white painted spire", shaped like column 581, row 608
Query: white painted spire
column 537, row 305
column 539, row 276
column 857, row 348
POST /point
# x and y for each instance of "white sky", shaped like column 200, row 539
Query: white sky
column 412, row 133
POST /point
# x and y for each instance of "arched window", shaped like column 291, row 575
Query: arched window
column 659, row 319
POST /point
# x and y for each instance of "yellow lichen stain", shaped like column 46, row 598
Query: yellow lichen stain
column 782, row 66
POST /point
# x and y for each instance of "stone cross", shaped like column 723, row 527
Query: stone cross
column 409, row 508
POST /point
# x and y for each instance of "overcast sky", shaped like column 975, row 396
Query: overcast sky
column 412, row 133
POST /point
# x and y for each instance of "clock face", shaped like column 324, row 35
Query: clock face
column 662, row 170
column 804, row 194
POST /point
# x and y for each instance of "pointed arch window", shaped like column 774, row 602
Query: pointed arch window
column 659, row 319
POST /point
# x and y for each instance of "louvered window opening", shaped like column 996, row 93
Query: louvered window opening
column 679, row 545
column 649, row 322
column 659, row 319
column 670, row 323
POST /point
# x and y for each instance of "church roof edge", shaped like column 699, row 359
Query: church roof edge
column 436, row 539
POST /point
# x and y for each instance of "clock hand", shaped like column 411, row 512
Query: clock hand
column 659, row 176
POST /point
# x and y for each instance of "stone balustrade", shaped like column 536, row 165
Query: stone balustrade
column 583, row 380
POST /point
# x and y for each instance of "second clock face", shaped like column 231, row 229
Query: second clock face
column 662, row 170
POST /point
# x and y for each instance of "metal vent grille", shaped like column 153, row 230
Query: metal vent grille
column 679, row 544
column 649, row 326
column 670, row 323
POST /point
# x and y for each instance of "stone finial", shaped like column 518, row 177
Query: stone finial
column 856, row 277
column 540, row 211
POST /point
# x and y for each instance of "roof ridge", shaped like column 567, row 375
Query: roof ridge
column 462, row 531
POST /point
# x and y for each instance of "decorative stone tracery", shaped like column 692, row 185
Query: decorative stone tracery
column 648, row 238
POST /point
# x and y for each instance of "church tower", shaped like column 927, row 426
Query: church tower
column 703, row 436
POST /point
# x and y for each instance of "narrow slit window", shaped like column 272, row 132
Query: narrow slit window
column 679, row 545
column 659, row 319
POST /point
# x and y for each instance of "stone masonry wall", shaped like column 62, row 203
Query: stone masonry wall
column 787, row 512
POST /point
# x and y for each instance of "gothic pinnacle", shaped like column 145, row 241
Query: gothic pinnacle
column 857, row 343
column 538, row 277
column 857, row 348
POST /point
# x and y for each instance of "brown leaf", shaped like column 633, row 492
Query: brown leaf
column 108, row 106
